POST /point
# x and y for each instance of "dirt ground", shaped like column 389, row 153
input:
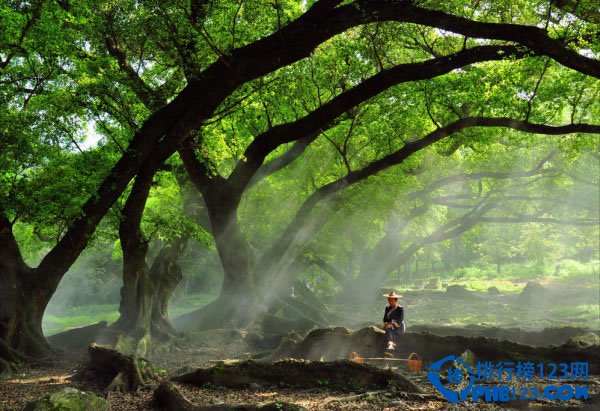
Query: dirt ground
column 204, row 349
column 34, row 382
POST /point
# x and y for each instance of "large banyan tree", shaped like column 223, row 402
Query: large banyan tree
column 237, row 91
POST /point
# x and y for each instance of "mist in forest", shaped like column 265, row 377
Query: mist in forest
column 366, row 233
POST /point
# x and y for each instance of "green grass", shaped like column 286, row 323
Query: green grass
column 589, row 312
column 195, row 301
column 579, row 311
column 577, row 305
column 74, row 317
column 512, row 277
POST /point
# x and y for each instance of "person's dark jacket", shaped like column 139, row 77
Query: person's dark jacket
column 397, row 315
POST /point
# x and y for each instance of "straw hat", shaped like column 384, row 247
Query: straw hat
column 392, row 294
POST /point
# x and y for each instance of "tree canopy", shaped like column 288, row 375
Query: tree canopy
column 263, row 128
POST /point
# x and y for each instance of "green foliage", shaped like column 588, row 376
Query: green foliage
column 80, row 78
column 354, row 385
column 69, row 399
column 80, row 316
column 324, row 382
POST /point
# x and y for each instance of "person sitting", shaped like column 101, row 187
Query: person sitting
column 393, row 319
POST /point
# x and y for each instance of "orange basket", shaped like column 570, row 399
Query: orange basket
column 414, row 362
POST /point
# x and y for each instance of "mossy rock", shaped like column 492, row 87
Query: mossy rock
column 69, row 399
column 586, row 339
column 469, row 358
column 534, row 295
column 459, row 291
column 493, row 290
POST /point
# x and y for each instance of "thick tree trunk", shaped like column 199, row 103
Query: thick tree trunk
column 165, row 274
column 23, row 299
column 137, row 291
column 146, row 291
column 237, row 304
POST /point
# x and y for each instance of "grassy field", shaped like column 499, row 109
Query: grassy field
column 74, row 317
column 576, row 288
column 512, row 277
column 573, row 297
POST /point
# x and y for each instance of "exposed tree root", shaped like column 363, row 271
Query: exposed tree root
column 331, row 344
column 547, row 336
column 31, row 346
column 335, row 343
column 125, row 373
column 434, row 347
column 168, row 398
column 6, row 370
column 78, row 338
column 304, row 374
column 364, row 396
column 9, row 357
column 9, row 354
column 385, row 395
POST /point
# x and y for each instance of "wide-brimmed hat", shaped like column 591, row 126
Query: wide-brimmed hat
column 392, row 294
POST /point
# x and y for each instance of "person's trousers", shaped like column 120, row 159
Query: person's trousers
column 392, row 333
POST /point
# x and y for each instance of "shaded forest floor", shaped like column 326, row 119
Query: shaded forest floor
column 445, row 311
column 35, row 382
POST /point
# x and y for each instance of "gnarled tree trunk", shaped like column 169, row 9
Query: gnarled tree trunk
column 237, row 303
column 146, row 290
column 146, row 293
column 23, row 299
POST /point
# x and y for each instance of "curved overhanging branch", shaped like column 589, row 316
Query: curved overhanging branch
column 542, row 220
column 479, row 175
column 288, row 237
column 412, row 147
column 534, row 38
column 165, row 130
column 310, row 125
